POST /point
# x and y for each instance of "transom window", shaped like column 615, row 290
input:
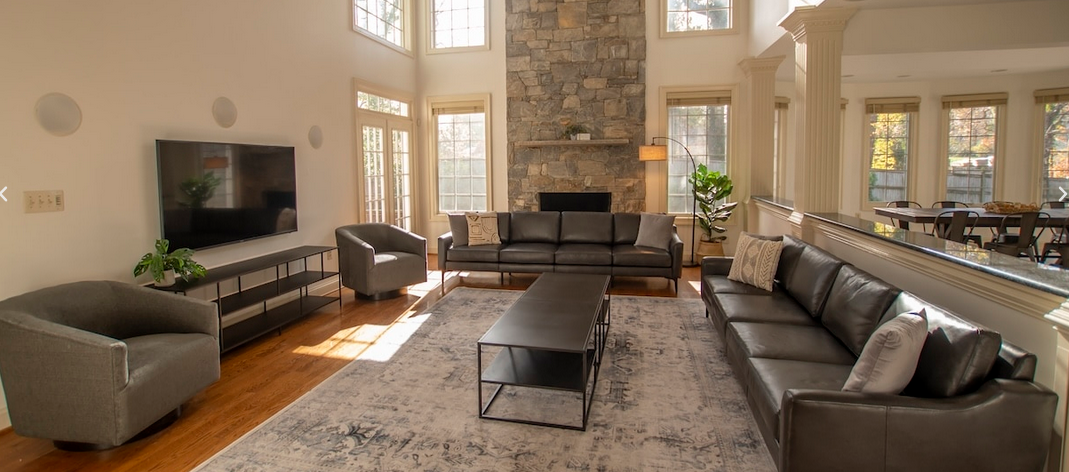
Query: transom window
column 460, row 147
column 382, row 19
column 699, row 120
column 685, row 16
column 972, row 146
column 372, row 102
column 891, row 124
column 458, row 24
column 1054, row 160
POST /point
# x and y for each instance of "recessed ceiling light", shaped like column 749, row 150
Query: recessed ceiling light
column 999, row 70
column 904, row 76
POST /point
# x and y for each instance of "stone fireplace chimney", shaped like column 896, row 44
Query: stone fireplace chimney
column 576, row 62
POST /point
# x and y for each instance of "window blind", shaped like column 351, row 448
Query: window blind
column 1052, row 95
column 457, row 108
column 975, row 100
column 699, row 98
column 892, row 105
column 782, row 103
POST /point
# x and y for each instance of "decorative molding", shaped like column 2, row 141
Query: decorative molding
column 755, row 65
column 805, row 20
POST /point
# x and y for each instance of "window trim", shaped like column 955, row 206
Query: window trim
column 406, row 35
column 782, row 111
column 662, row 20
column 388, row 122
column 429, row 33
column 1000, row 102
column 1042, row 97
column 431, row 162
column 910, row 105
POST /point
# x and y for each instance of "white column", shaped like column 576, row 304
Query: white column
column 818, row 37
column 759, row 91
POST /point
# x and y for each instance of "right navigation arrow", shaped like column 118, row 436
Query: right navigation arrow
column 1059, row 188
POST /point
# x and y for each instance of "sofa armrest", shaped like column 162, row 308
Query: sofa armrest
column 716, row 265
column 407, row 241
column 675, row 249
column 1004, row 425
column 445, row 242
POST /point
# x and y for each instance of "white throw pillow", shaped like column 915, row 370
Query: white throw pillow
column 482, row 229
column 755, row 261
column 889, row 359
column 655, row 230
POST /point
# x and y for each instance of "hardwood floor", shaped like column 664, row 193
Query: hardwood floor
column 264, row 376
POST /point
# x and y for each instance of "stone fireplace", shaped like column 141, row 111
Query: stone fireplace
column 576, row 62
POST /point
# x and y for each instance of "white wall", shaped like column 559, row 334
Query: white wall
column 148, row 70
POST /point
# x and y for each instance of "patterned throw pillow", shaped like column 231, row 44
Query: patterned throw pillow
column 482, row 229
column 755, row 261
column 889, row 359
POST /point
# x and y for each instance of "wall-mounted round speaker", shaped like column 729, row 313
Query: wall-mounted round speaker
column 315, row 136
column 58, row 114
column 225, row 112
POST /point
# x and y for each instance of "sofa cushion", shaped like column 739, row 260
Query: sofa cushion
column 482, row 229
column 776, row 307
column 528, row 253
column 788, row 258
column 785, row 341
column 755, row 261
column 625, row 227
column 458, row 226
column 640, row 256
column 768, row 379
column 655, row 230
column 890, row 356
column 584, row 254
column 586, row 227
column 535, row 227
column 855, row 305
column 721, row 284
column 812, row 277
column 486, row 253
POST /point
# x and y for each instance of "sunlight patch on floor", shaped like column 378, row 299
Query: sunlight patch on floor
column 394, row 337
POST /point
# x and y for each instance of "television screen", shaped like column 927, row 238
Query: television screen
column 218, row 193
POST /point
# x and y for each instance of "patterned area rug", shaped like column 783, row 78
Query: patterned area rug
column 666, row 400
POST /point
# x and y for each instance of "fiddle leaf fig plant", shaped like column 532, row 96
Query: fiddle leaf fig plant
column 180, row 261
column 711, row 187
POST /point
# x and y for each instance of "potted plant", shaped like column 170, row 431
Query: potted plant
column 165, row 266
column 711, row 187
column 571, row 131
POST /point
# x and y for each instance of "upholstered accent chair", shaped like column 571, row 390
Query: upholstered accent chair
column 93, row 364
column 379, row 261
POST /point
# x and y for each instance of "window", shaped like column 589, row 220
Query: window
column 385, row 157
column 1053, row 107
column 461, row 139
column 458, row 24
column 696, row 16
column 386, row 20
column 779, row 147
column 699, row 120
column 890, row 126
column 972, row 124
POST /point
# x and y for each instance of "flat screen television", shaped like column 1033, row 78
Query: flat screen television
column 220, row 193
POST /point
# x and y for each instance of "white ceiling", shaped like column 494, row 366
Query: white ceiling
column 874, row 4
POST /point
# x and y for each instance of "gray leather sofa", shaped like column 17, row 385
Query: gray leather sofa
column 971, row 405
column 568, row 241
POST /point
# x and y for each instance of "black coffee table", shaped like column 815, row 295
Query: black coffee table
column 553, row 337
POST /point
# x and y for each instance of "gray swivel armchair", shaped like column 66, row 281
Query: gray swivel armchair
column 90, row 365
column 379, row 261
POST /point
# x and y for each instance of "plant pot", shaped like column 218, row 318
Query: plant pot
column 168, row 279
column 582, row 136
column 709, row 248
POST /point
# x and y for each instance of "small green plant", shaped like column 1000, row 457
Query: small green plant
column 199, row 189
column 572, row 130
column 711, row 187
column 180, row 261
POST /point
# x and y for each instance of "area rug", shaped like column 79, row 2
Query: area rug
column 666, row 400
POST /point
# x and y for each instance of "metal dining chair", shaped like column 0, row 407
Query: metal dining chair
column 1022, row 243
column 949, row 204
column 957, row 226
column 903, row 204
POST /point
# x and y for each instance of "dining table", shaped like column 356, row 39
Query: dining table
column 988, row 219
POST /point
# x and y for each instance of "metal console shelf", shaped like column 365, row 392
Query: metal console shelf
column 269, row 319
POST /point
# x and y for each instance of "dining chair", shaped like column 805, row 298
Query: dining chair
column 1022, row 243
column 949, row 204
column 903, row 204
column 956, row 226
column 1059, row 243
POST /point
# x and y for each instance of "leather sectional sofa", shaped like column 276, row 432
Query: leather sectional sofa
column 561, row 241
column 970, row 406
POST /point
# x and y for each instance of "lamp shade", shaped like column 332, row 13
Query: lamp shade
column 653, row 152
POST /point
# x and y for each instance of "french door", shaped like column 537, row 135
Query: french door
column 386, row 171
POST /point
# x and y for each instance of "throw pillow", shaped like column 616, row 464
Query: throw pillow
column 655, row 230
column 756, row 260
column 482, row 229
column 890, row 356
column 458, row 226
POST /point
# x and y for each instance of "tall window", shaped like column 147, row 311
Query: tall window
column 1054, row 158
column 385, row 159
column 458, row 24
column 779, row 147
column 689, row 16
column 972, row 124
column 460, row 145
column 383, row 19
column 699, row 120
column 890, row 128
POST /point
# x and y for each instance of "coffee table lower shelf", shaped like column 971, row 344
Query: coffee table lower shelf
column 536, row 368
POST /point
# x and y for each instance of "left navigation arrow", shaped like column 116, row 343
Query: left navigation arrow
column 2, row 193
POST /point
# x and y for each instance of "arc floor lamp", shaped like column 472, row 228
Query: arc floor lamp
column 659, row 152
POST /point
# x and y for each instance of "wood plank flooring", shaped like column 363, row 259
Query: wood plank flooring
column 265, row 375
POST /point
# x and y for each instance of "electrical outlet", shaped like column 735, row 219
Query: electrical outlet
column 330, row 255
column 40, row 201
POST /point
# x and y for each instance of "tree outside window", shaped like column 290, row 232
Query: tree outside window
column 383, row 19
column 461, row 158
column 971, row 150
column 1055, row 157
column 697, row 15
column 458, row 24
column 703, row 129
column 889, row 163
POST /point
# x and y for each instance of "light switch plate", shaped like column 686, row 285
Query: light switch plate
column 40, row 201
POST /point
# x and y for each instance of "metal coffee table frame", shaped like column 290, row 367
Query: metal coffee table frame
column 553, row 338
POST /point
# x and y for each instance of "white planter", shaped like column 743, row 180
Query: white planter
column 582, row 136
column 168, row 279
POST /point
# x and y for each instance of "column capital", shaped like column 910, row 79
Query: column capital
column 757, row 65
column 808, row 19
